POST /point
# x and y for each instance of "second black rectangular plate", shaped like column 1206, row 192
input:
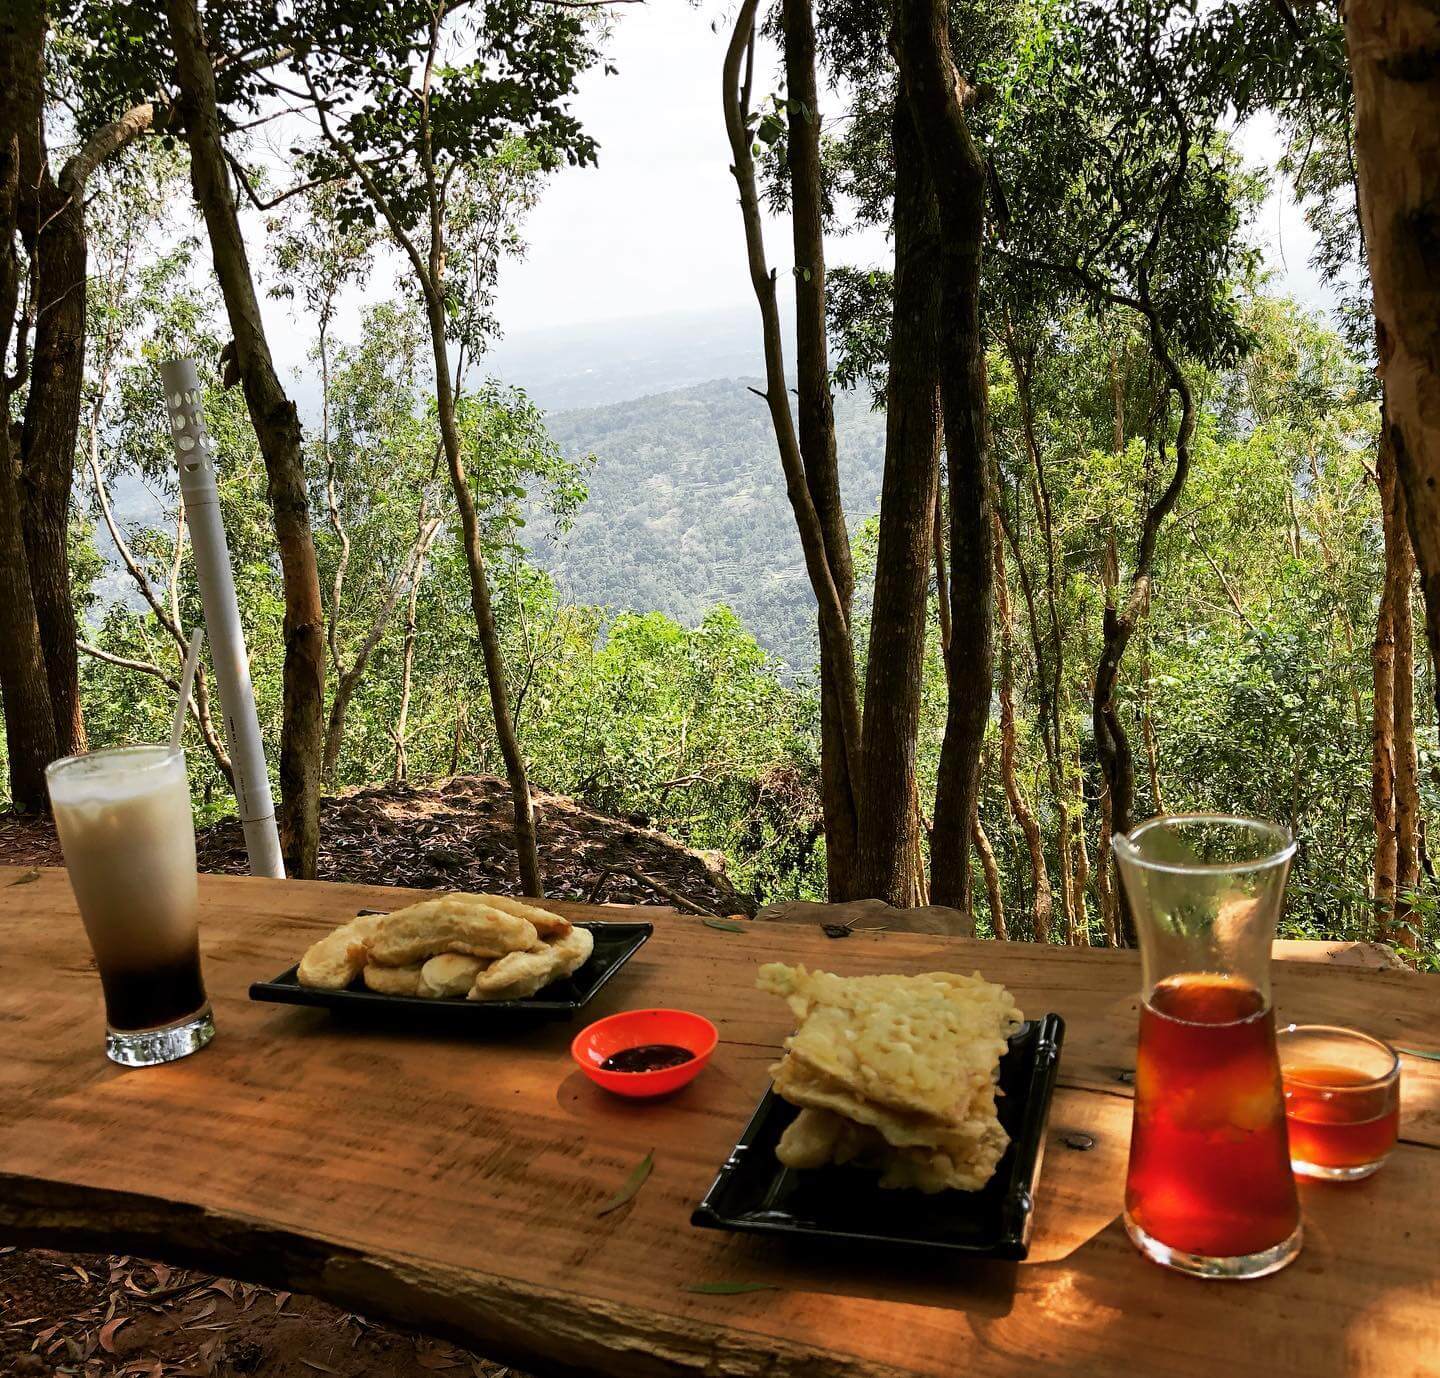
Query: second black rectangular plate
column 615, row 944
column 755, row 1193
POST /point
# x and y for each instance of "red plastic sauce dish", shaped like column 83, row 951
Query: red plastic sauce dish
column 645, row 1036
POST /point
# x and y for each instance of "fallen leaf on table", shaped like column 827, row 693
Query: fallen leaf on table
column 633, row 1183
column 107, row 1333
column 728, row 1289
column 724, row 925
column 26, row 878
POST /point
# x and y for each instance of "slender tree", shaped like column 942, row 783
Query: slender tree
column 415, row 145
column 277, row 427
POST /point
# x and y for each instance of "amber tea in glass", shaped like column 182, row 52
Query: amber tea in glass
column 1209, row 1189
column 1342, row 1100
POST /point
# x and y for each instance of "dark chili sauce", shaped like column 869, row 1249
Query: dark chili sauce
column 648, row 1057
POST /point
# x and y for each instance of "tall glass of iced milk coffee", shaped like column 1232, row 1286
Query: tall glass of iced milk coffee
column 128, row 835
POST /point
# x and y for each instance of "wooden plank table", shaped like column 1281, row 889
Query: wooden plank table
column 452, row 1183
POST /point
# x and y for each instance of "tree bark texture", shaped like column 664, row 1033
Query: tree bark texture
column 1019, row 806
column 936, row 94
column 24, row 690
column 1394, row 49
column 889, row 822
column 277, row 428
column 51, row 224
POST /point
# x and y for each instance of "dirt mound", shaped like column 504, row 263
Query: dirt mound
column 456, row 834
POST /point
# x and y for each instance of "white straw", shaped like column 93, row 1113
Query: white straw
column 187, row 682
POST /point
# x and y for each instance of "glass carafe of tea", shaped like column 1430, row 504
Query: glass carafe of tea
column 1209, row 1189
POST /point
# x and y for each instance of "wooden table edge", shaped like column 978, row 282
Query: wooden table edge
column 510, row 1322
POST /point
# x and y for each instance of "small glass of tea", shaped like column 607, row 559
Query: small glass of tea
column 1342, row 1100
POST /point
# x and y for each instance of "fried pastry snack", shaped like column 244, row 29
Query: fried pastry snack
column 521, row 974
column 488, row 947
column 454, row 923
column 450, row 974
column 339, row 957
column 549, row 926
column 392, row 980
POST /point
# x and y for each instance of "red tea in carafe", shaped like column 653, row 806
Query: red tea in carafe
column 1209, row 1160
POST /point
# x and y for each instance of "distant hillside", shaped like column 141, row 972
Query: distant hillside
column 687, row 508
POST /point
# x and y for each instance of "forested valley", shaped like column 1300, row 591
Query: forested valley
column 1062, row 516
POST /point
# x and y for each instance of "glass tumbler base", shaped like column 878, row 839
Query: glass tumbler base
column 150, row 1047
column 1256, row 1265
column 1321, row 1173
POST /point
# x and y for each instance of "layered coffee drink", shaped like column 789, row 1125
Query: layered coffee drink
column 128, row 836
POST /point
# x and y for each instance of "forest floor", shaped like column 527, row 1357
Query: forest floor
column 103, row 1317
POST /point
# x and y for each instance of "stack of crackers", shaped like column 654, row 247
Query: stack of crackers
column 482, row 947
column 894, row 1073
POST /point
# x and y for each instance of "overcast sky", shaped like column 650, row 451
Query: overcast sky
column 655, row 226
column 654, row 229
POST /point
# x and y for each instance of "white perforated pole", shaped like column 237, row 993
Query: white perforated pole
column 195, row 458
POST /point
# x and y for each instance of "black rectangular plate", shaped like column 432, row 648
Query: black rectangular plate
column 755, row 1193
column 615, row 944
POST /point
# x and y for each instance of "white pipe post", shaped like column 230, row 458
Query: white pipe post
column 195, row 458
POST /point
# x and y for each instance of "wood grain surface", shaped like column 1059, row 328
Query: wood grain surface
column 452, row 1182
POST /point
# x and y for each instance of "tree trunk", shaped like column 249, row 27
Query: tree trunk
column 47, row 447
column 992, row 878
column 277, row 427
column 936, row 96
column 348, row 679
column 888, row 822
column 1117, row 759
column 1395, row 769
column 815, row 427
column 841, row 764
column 1019, row 806
column 516, row 774
column 1382, row 664
column 1394, row 48
column 407, row 671
column 51, row 224
column 1081, row 868
column 1104, row 874
column 29, row 724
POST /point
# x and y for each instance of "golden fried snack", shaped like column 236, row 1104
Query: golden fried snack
column 392, row 980
column 339, row 957
column 450, row 974
column 926, row 1045
column 521, row 974
column 454, row 923
column 896, row 1073
column 549, row 926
